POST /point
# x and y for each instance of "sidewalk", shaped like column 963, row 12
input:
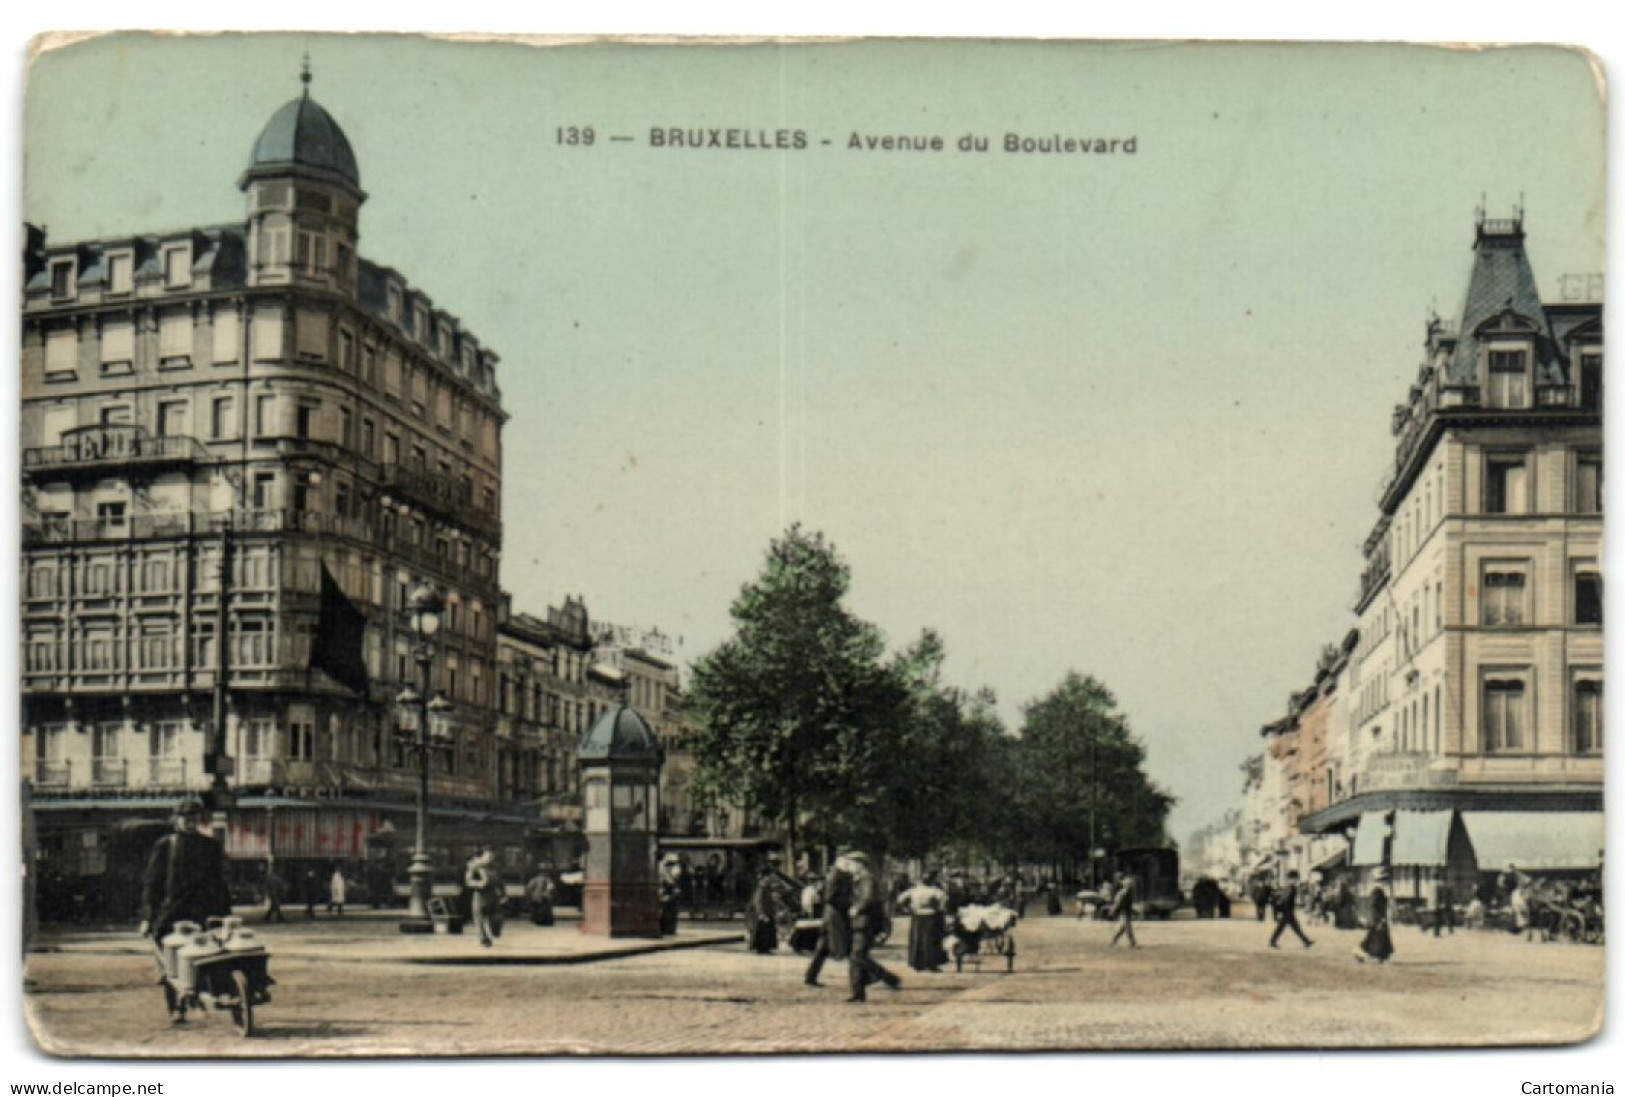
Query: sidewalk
column 372, row 937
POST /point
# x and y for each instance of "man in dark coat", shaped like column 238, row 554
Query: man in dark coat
column 185, row 879
column 835, row 939
column 868, row 912
column 1286, row 913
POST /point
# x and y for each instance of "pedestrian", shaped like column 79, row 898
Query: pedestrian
column 1444, row 910
column 273, row 888
column 1286, row 912
column 1379, row 942
column 761, row 913
column 1123, row 907
column 1261, row 895
column 670, row 893
column 1052, row 898
column 868, row 913
column 539, row 894
column 336, row 888
column 185, row 881
column 313, row 892
column 485, row 888
column 835, row 937
column 925, row 903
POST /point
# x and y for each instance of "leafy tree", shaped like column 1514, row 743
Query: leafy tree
column 1082, row 772
column 792, row 712
column 941, row 794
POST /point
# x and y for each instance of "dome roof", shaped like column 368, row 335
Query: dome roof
column 619, row 734
column 301, row 135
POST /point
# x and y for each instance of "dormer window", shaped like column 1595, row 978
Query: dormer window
column 120, row 267
column 178, row 266
column 62, row 278
column 1508, row 385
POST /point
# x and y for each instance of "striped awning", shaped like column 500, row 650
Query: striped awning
column 1421, row 837
column 1369, row 838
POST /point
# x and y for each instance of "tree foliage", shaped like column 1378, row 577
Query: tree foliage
column 791, row 713
column 802, row 719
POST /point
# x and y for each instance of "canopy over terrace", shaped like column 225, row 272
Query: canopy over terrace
column 1536, row 840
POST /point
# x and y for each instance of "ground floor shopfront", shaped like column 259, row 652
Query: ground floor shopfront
column 1419, row 846
column 88, row 856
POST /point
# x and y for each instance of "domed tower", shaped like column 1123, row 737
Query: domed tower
column 304, row 199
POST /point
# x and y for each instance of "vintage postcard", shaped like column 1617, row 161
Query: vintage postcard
column 631, row 548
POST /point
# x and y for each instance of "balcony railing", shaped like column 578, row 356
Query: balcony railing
column 53, row 774
column 166, row 773
column 57, row 529
column 261, row 771
column 109, row 771
column 442, row 494
column 123, row 445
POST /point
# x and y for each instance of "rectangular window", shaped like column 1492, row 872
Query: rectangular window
column 392, row 450
column 346, row 428
column 222, row 418
column 1506, row 483
column 110, row 517
column 175, row 340
column 118, row 346
column 172, row 418
column 1588, row 483
column 369, row 365
column 119, row 268
column 1508, row 379
column 267, row 334
column 1588, row 710
column 259, row 738
column 304, row 422
column 178, row 267
column 368, row 432
column 346, row 351
column 264, row 415
column 311, row 334
column 1591, row 382
column 264, row 482
column 62, row 353
column 1505, row 718
column 62, row 279
column 228, row 336
column 1503, row 598
column 1587, row 594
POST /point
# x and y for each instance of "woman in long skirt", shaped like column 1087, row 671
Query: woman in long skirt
column 927, row 926
column 1378, row 943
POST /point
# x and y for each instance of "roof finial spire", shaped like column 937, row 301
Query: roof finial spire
column 304, row 72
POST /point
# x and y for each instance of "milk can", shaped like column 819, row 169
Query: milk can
column 201, row 945
column 178, row 936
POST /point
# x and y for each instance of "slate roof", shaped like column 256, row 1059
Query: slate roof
column 1501, row 281
column 303, row 135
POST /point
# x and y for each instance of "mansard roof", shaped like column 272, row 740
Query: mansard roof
column 1502, row 296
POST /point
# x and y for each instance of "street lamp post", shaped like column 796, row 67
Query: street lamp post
column 426, row 607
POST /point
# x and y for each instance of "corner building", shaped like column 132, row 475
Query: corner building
column 256, row 390
column 1474, row 690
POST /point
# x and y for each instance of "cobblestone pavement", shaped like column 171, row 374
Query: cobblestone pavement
column 1192, row 985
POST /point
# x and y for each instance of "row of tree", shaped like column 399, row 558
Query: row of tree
column 804, row 718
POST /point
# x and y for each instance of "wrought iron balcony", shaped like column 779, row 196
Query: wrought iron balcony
column 129, row 448
column 166, row 773
column 53, row 774
column 444, row 495
column 109, row 771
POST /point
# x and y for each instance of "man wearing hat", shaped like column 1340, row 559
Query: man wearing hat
column 186, row 877
column 835, row 938
column 1286, row 912
column 868, row 913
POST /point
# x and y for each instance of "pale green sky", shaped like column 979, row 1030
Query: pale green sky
column 1123, row 414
